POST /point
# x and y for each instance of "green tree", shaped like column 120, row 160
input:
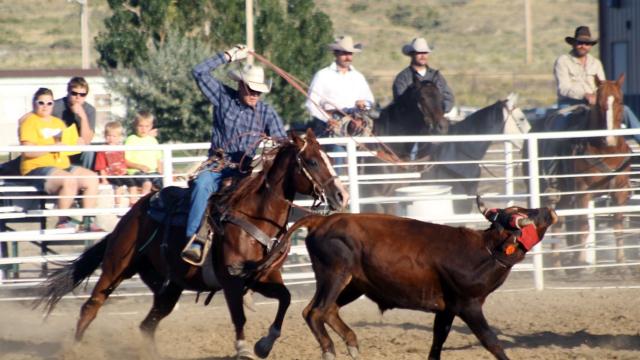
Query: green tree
column 150, row 46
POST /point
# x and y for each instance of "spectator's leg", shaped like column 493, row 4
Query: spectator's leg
column 146, row 187
column 65, row 185
column 119, row 198
column 134, row 192
column 88, row 182
column 631, row 121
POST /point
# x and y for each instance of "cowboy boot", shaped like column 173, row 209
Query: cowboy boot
column 198, row 245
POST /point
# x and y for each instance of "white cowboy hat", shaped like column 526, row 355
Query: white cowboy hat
column 418, row 45
column 253, row 76
column 345, row 43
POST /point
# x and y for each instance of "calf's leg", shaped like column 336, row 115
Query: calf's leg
column 441, row 327
column 472, row 315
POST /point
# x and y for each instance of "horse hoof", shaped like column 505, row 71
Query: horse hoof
column 353, row 351
column 245, row 355
column 243, row 352
column 328, row 356
column 263, row 347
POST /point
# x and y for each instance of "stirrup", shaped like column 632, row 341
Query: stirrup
column 187, row 254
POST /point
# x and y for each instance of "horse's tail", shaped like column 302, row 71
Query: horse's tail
column 279, row 253
column 64, row 280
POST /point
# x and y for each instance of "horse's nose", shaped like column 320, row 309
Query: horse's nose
column 342, row 198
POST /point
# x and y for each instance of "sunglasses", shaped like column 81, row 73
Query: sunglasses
column 75, row 93
column 43, row 103
column 578, row 43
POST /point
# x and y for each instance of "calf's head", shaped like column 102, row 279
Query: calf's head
column 526, row 226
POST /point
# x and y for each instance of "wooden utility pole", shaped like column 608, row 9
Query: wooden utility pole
column 527, row 30
column 249, row 27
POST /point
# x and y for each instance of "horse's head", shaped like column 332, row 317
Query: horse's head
column 315, row 175
column 609, row 106
column 515, row 121
column 425, row 96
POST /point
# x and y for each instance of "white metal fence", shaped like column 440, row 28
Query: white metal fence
column 502, row 183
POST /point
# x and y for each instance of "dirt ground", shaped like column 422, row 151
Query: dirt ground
column 551, row 324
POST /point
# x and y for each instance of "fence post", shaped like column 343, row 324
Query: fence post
column 352, row 167
column 534, row 202
column 508, row 171
column 167, row 167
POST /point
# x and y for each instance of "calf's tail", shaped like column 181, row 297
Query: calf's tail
column 279, row 253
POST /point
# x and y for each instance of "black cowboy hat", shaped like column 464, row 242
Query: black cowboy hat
column 583, row 34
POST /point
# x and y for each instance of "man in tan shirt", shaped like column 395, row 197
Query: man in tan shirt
column 575, row 72
column 575, row 75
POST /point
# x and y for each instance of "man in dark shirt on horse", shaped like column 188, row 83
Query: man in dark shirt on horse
column 240, row 118
column 418, row 50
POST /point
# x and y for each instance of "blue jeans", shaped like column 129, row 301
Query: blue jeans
column 206, row 183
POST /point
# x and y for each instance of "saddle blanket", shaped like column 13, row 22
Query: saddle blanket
column 170, row 204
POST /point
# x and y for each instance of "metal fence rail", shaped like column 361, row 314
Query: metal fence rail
column 502, row 183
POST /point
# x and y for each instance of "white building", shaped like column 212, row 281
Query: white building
column 18, row 86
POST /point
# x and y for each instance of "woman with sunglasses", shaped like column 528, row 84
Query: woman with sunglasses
column 63, row 179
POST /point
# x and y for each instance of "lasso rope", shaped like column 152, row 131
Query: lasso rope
column 387, row 155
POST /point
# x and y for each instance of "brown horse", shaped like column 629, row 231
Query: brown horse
column 256, row 212
column 605, row 114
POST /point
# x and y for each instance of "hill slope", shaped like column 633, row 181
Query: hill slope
column 479, row 45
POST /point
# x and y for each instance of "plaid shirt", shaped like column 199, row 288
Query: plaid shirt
column 236, row 126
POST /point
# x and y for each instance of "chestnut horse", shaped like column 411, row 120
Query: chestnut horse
column 606, row 113
column 256, row 209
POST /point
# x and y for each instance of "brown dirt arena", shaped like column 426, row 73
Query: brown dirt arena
column 568, row 323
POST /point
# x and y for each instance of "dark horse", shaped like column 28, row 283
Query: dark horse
column 419, row 112
column 606, row 113
column 257, row 207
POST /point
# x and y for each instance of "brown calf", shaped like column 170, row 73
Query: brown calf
column 409, row 264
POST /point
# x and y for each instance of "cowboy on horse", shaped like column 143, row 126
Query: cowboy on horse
column 240, row 119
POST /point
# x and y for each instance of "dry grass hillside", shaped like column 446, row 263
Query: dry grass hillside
column 478, row 44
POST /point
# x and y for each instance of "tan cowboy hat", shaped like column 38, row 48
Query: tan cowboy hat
column 418, row 45
column 345, row 43
column 583, row 34
column 253, row 76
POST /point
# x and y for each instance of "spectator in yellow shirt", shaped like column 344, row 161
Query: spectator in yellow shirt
column 41, row 128
column 143, row 162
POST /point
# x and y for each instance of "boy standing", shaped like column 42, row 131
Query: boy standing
column 143, row 162
column 112, row 163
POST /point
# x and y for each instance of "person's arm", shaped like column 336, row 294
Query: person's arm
column 400, row 85
column 566, row 86
column 86, row 130
column 315, row 96
column 28, row 135
column 447, row 95
column 366, row 96
column 274, row 124
column 136, row 166
column 210, row 87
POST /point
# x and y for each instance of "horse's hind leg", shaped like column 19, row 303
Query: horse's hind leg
column 104, row 287
column 115, row 267
column 274, row 288
column 164, row 300
column 620, row 199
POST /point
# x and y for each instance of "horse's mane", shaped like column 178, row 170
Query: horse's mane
column 251, row 182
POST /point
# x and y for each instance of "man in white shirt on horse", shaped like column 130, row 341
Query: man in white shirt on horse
column 338, row 87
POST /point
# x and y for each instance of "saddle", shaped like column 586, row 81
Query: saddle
column 170, row 204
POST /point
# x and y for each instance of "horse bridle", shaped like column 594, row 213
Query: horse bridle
column 318, row 186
